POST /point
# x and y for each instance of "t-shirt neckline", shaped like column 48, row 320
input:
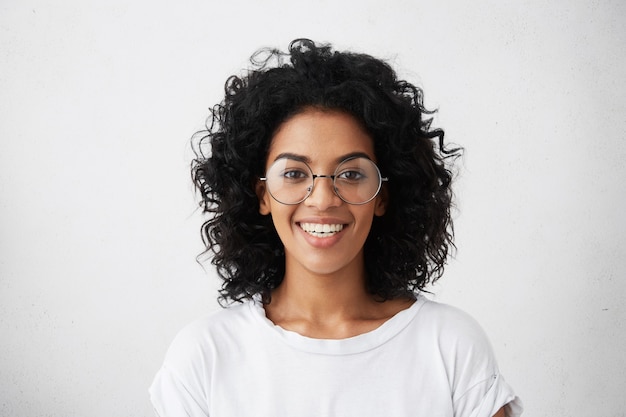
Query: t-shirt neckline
column 356, row 344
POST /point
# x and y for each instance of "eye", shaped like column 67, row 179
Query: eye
column 294, row 174
column 351, row 175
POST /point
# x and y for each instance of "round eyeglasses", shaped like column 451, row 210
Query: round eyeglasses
column 355, row 181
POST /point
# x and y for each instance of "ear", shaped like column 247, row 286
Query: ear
column 381, row 202
column 263, row 196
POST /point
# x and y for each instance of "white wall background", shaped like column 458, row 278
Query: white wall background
column 98, row 227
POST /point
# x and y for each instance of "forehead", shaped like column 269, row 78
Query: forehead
column 321, row 136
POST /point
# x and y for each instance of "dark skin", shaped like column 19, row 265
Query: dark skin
column 323, row 294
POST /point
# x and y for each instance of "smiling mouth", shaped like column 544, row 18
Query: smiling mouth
column 321, row 230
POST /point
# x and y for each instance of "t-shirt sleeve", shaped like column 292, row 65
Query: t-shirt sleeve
column 479, row 390
column 180, row 387
column 487, row 397
column 171, row 398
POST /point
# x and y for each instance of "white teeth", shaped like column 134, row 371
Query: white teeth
column 321, row 230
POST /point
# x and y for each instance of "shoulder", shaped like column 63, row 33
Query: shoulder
column 203, row 336
column 184, row 381
column 467, row 356
column 460, row 345
column 235, row 314
column 459, row 340
column 449, row 322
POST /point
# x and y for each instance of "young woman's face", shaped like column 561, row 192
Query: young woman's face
column 322, row 139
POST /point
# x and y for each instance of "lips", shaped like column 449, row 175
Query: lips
column 321, row 230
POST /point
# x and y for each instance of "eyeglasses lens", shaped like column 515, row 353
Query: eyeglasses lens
column 356, row 180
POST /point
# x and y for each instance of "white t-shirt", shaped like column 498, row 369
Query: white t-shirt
column 430, row 360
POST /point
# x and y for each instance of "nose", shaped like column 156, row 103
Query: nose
column 323, row 195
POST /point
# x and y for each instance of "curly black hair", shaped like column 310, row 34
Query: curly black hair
column 406, row 248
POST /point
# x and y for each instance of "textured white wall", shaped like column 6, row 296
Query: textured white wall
column 98, row 227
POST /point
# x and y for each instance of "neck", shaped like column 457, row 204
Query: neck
column 329, row 306
column 321, row 296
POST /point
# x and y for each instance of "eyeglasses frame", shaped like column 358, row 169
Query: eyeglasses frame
column 381, row 180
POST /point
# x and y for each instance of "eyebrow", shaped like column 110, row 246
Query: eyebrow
column 306, row 159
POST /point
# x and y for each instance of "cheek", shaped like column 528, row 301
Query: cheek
column 281, row 216
column 365, row 217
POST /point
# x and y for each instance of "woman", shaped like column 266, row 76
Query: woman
column 329, row 197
